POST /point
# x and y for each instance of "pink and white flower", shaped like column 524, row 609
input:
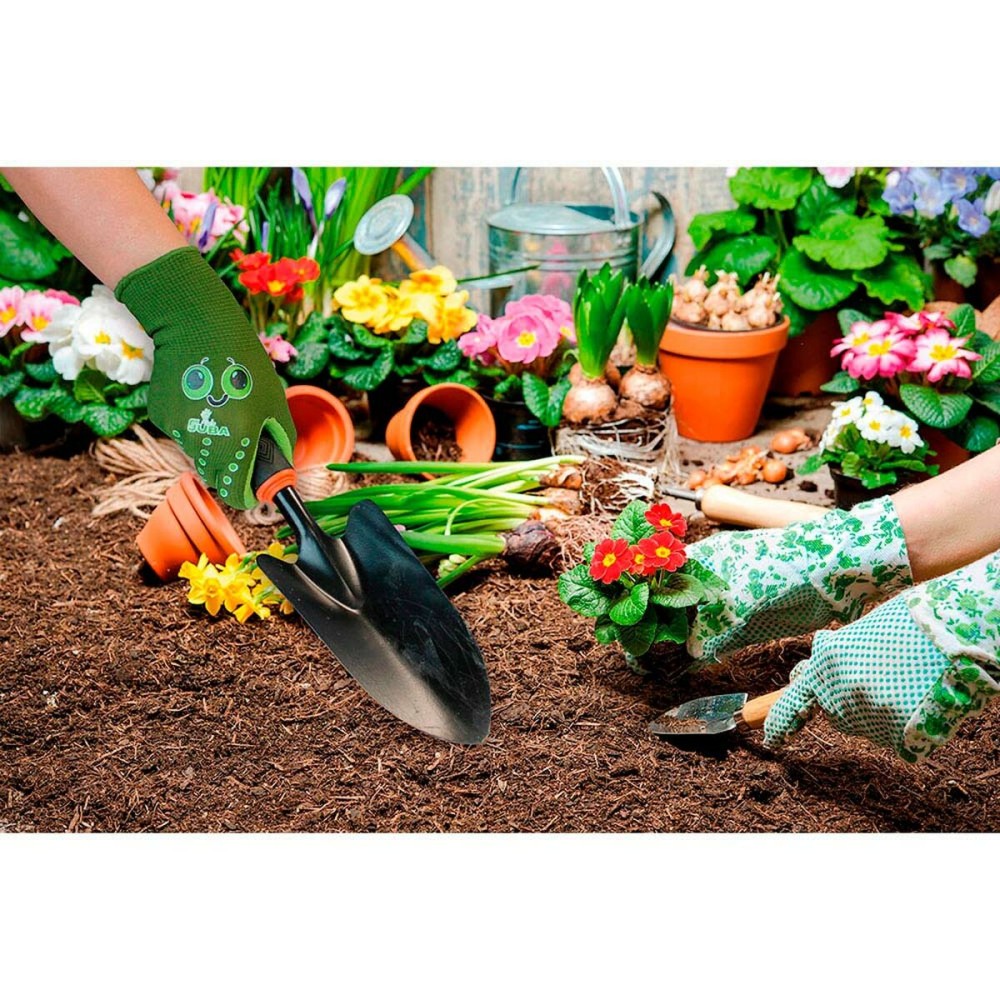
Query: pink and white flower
column 36, row 312
column 278, row 349
column 479, row 342
column 882, row 357
column 526, row 334
column 939, row 354
column 10, row 308
column 837, row 177
column 556, row 310
column 860, row 334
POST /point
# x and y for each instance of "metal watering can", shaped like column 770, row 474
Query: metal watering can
column 553, row 241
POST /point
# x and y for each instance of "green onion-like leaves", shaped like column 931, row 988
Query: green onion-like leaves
column 647, row 309
column 598, row 314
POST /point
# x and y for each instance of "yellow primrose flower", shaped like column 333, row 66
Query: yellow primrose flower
column 397, row 316
column 423, row 305
column 455, row 320
column 363, row 301
column 434, row 281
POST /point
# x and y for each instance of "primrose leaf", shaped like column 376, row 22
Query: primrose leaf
column 964, row 318
column 631, row 523
column 631, row 606
column 846, row 242
column 841, row 383
column 671, row 625
column 811, row 285
column 896, row 279
column 367, row 377
column 979, row 433
column 309, row 362
column 583, row 594
column 90, row 386
column 636, row 639
column 107, row 421
column 607, row 632
column 933, row 408
column 10, row 383
column 680, row 590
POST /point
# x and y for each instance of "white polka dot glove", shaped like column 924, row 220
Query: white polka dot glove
column 789, row 581
column 908, row 673
column 213, row 389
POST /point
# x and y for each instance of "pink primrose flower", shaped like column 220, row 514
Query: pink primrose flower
column 940, row 354
column 883, row 356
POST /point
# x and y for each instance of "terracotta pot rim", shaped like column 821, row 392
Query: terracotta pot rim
column 310, row 449
column 699, row 342
column 160, row 541
column 191, row 524
column 212, row 516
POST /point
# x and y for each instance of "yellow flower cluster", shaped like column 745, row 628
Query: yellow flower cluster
column 429, row 295
column 238, row 585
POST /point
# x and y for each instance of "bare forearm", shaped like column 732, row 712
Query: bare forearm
column 105, row 216
column 952, row 519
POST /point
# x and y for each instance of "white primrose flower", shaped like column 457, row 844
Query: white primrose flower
column 845, row 413
column 875, row 425
column 871, row 399
column 904, row 435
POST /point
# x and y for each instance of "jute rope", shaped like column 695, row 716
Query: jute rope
column 151, row 465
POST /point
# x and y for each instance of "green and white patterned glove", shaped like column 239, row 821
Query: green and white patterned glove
column 213, row 387
column 908, row 673
column 788, row 581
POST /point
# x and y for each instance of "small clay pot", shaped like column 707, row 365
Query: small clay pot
column 475, row 429
column 323, row 427
column 212, row 515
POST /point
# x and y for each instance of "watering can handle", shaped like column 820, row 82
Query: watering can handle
column 660, row 250
column 619, row 200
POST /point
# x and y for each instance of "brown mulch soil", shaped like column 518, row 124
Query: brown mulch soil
column 122, row 708
column 434, row 437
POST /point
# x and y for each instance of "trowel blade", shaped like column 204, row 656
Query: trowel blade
column 700, row 717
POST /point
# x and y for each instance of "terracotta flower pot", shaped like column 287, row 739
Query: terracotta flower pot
column 187, row 523
column 804, row 363
column 324, row 430
column 475, row 429
column 719, row 379
column 387, row 399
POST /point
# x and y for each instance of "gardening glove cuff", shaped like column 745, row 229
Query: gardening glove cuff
column 789, row 581
column 907, row 674
column 213, row 388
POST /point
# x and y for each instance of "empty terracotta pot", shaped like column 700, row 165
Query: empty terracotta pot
column 475, row 429
column 804, row 363
column 324, row 430
column 719, row 379
column 187, row 523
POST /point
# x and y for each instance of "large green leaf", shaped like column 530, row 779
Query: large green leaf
column 583, row 594
column 671, row 626
column 770, row 187
column 343, row 346
column 107, row 421
column 367, row 377
column 34, row 404
column 313, row 331
column 363, row 336
column 896, row 279
column 631, row 523
column 636, row 639
column 987, row 369
column 43, row 371
column 748, row 256
column 978, row 433
column 10, row 383
column 311, row 360
column 544, row 401
column 841, row 383
column 812, row 286
column 89, row 386
column 933, row 408
column 846, row 242
column 846, row 318
column 68, row 409
column 25, row 253
column 606, row 631
column 138, row 399
column 631, row 606
column 415, row 333
column 712, row 583
column 680, row 590
column 989, row 396
column 821, row 201
column 963, row 269
column 445, row 358
column 735, row 222
column 964, row 318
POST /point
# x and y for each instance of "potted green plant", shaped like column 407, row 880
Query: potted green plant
column 521, row 361
column 718, row 351
column 943, row 371
column 639, row 584
column 829, row 237
column 872, row 450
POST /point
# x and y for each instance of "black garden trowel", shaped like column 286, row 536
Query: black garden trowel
column 380, row 612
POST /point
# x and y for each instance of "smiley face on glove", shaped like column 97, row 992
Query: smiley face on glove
column 197, row 383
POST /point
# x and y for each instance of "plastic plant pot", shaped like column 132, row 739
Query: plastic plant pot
column 520, row 434
column 475, row 429
column 323, row 427
column 719, row 379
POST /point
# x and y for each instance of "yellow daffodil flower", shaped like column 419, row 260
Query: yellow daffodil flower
column 434, row 281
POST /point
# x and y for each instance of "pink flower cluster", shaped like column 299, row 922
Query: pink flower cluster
column 531, row 327
column 278, row 349
column 202, row 217
column 32, row 310
column 918, row 344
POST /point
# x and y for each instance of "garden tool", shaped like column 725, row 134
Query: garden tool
column 715, row 714
column 379, row 610
column 746, row 510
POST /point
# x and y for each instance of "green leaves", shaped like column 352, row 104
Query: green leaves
column 896, row 279
column 34, row 403
column 846, row 318
column 10, row 383
column 735, row 222
column 933, row 408
column 979, row 433
column 636, row 639
column 446, row 358
column 964, row 318
column 963, row 269
column 631, row 606
column 598, row 315
column 26, row 254
column 107, row 421
column 846, row 242
column 748, row 256
column 770, row 187
column 647, row 309
column 544, row 401
column 988, row 368
column 138, row 399
column 681, row 590
column 311, row 360
column 841, row 383
column 367, row 377
column 811, row 285
column 341, row 343
column 583, row 594
column 631, row 523
column 821, row 201
column 89, row 386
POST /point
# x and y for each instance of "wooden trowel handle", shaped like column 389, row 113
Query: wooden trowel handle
column 754, row 712
column 747, row 510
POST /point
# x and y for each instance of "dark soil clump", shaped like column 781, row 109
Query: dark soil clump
column 434, row 437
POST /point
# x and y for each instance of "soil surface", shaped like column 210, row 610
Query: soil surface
column 434, row 437
column 123, row 708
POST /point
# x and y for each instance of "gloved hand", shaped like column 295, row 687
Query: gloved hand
column 788, row 581
column 908, row 673
column 213, row 387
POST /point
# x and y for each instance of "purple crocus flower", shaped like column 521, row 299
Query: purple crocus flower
column 930, row 199
column 206, row 226
column 265, row 233
column 957, row 182
column 899, row 192
column 972, row 217
column 301, row 184
column 332, row 199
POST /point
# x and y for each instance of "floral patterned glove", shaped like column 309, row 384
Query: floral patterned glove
column 213, row 387
column 787, row 581
column 906, row 675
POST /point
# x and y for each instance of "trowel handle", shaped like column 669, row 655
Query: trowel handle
column 271, row 470
column 747, row 510
column 754, row 712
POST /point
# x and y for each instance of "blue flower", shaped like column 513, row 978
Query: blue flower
column 930, row 199
column 301, row 185
column 899, row 193
column 957, row 182
column 971, row 216
column 992, row 172
column 332, row 199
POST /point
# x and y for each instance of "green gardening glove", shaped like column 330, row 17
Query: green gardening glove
column 789, row 581
column 908, row 673
column 213, row 387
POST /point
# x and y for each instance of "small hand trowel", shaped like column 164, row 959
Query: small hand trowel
column 718, row 713
column 381, row 613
